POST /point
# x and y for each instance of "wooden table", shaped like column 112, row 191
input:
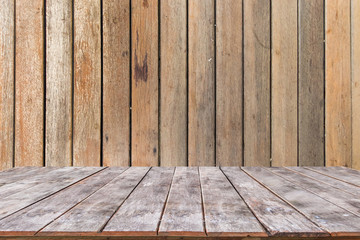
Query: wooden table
column 166, row 203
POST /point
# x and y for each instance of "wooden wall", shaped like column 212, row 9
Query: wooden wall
column 179, row 82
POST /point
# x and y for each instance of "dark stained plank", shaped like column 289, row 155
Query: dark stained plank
column 327, row 180
column 173, row 75
column 116, row 82
column 27, row 197
column 343, row 174
column 229, row 84
column 183, row 215
column 277, row 216
column 201, row 119
column 342, row 199
column 88, row 217
column 140, row 214
column 226, row 214
column 257, row 70
column 337, row 221
column 311, row 83
column 145, row 81
column 35, row 217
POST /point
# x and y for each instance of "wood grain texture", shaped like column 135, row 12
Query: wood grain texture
column 355, row 67
column 29, row 77
column 183, row 215
column 116, row 83
column 338, row 83
column 7, row 42
column 269, row 209
column 145, row 81
column 32, row 219
column 201, row 140
column 87, row 83
column 225, row 212
column 284, row 82
column 173, row 75
column 257, row 83
column 18, row 173
column 140, row 214
column 58, row 139
column 229, row 83
column 311, row 83
column 340, row 174
column 99, row 207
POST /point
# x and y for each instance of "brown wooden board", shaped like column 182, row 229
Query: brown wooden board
column 145, row 81
column 183, row 214
column 257, row 82
column 29, row 82
column 173, row 75
column 355, row 77
column 87, row 83
column 58, row 139
column 18, row 201
column 201, row 140
column 32, row 219
column 140, row 214
column 7, row 66
column 98, row 208
column 342, row 174
column 335, row 220
column 226, row 214
column 116, row 83
column 229, row 83
column 311, row 83
column 277, row 216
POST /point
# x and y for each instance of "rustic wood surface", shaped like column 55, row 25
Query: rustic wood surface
column 166, row 203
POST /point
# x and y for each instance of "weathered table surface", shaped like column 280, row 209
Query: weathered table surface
column 203, row 202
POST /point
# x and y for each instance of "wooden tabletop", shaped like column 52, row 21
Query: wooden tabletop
column 182, row 201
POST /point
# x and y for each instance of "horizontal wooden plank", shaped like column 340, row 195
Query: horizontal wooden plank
column 344, row 174
column 17, row 174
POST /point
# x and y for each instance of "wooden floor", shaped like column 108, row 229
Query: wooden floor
column 188, row 202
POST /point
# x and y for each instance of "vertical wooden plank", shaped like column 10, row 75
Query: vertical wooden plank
column 201, row 140
column 116, row 82
column 29, row 96
column 173, row 122
column 229, row 84
column 284, row 83
column 311, row 83
column 144, row 137
column 6, row 83
column 257, row 83
column 355, row 15
column 338, row 84
column 58, row 83
column 87, row 85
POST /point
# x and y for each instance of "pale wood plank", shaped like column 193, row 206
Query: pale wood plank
column 140, row 214
column 98, row 208
column 284, row 82
column 257, row 82
column 327, row 180
column 311, row 83
column 29, row 77
column 339, row 173
column 58, row 139
column 338, row 83
column 116, row 83
column 173, row 75
column 226, row 214
column 87, row 83
column 13, row 174
column 355, row 91
column 18, row 201
column 7, row 42
column 337, row 221
column 183, row 215
column 278, row 217
column 35, row 217
column 201, row 140
column 229, row 83
column 145, row 79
